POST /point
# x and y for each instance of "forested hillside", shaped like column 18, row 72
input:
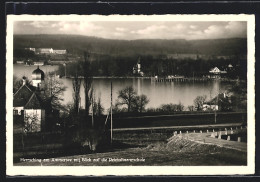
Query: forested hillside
column 76, row 44
column 158, row 57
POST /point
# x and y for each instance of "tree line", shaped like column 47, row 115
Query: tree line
column 159, row 65
column 129, row 102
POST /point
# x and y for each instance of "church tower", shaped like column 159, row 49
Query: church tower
column 38, row 78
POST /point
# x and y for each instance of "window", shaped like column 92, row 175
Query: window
column 15, row 112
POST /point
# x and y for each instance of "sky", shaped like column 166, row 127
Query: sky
column 131, row 30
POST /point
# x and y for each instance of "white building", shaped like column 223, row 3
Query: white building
column 38, row 63
column 216, row 72
column 59, row 51
column 210, row 106
column 137, row 68
column 215, row 104
column 44, row 51
column 20, row 62
column 38, row 78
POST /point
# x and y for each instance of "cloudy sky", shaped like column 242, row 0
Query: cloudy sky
column 130, row 30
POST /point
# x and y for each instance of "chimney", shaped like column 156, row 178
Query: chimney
column 24, row 80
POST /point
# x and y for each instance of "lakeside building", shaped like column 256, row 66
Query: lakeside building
column 38, row 63
column 38, row 78
column 137, row 68
column 28, row 108
column 20, row 62
column 216, row 73
column 211, row 105
column 59, row 51
column 221, row 102
column 31, row 111
column 58, row 59
column 230, row 67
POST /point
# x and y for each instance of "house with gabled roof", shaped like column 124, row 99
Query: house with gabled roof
column 28, row 109
column 220, row 102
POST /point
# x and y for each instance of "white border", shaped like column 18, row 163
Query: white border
column 132, row 170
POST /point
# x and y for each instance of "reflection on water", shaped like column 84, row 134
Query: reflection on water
column 157, row 92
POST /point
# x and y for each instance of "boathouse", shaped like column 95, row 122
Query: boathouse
column 216, row 73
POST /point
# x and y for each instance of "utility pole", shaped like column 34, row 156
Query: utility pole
column 92, row 111
column 65, row 70
column 111, row 115
column 216, row 108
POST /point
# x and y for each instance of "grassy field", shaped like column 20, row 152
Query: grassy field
column 146, row 149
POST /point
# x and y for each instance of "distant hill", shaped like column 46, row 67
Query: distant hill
column 77, row 44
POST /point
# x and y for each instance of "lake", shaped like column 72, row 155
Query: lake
column 158, row 92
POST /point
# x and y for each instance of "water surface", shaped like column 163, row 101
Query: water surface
column 158, row 92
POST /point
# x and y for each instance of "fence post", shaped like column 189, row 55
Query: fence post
column 228, row 138
column 219, row 136
column 238, row 139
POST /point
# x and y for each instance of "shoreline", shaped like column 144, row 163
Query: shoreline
column 153, row 79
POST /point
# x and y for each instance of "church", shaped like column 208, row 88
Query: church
column 28, row 108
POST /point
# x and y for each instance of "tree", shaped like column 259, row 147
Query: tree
column 127, row 97
column 199, row 101
column 225, row 104
column 238, row 92
column 179, row 107
column 87, row 81
column 98, row 109
column 23, row 53
column 31, row 123
column 53, row 91
column 76, row 83
column 140, row 102
column 16, row 84
column 171, row 107
column 191, row 108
